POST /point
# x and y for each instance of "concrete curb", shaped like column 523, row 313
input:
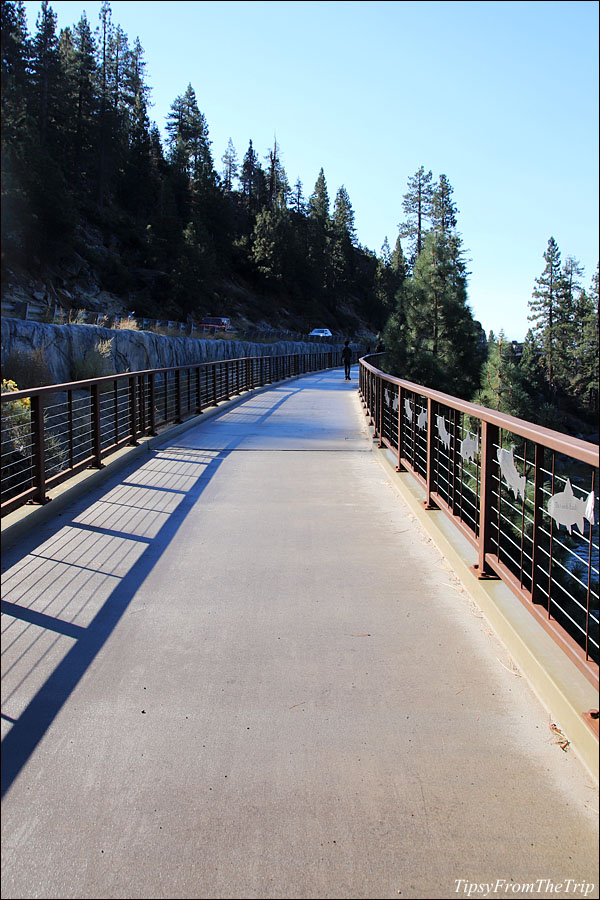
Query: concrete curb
column 558, row 684
column 15, row 525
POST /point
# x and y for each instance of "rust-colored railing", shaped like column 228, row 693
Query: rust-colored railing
column 51, row 433
column 524, row 496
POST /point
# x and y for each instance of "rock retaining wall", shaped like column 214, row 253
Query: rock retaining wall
column 131, row 350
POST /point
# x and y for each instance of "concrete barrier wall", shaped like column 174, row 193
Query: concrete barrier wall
column 131, row 350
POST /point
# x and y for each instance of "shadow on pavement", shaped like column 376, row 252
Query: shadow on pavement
column 63, row 598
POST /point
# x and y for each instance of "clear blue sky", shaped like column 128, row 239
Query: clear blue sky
column 502, row 97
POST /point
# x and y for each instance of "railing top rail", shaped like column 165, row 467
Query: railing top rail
column 583, row 451
column 80, row 385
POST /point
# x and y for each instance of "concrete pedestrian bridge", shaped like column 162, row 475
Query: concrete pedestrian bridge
column 241, row 667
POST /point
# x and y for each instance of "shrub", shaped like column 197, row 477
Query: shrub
column 96, row 363
column 127, row 324
column 29, row 369
column 77, row 317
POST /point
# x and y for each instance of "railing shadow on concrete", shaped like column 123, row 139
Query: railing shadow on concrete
column 524, row 496
column 82, row 578
column 51, row 433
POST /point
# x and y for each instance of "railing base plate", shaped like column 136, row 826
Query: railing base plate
column 485, row 575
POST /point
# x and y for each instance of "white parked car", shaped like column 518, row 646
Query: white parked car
column 320, row 332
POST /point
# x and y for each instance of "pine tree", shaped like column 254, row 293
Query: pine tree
column 417, row 208
column 319, row 235
column 569, row 313
column 544, row 310
column 139, row 182
column 343, row 217
column 85, row 75
column 297, row 200
column 46, row 75
column 16, row 52
column 443, row 209
column 271, row 243
column 252, row 180
column 188, row 138
column 342, row 241
column 17, row 125
column 585, row 358
column 318, row 202
column 386, row 253
column 399, row 262
column 104, row 33
column 389, row 289
column 278, row 188
column 230, row 167
column 442, row 339
column 501, row 379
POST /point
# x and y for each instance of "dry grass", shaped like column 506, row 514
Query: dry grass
column 96, row 363
column 28, row 370
column 127, row 325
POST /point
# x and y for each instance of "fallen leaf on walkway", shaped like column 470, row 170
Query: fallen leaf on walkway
column 513, row 670
column 363, row 634
column 562, row 741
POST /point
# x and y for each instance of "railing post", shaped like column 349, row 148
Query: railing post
column 71, row 448
column 96, row 428
column 39, row 455
column 380, row 410
column 401, row 398
column 214, row 383
column 429, row 503
column 198, row 390
column 453, row 464
column 142, row 400
column 178, row 416
column 537, row 522
column 489, row 437
column 133, row 412
column 152, row 401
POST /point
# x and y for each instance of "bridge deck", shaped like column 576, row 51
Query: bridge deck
column 240, row 669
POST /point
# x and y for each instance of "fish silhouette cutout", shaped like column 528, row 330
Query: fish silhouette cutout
column 422, row 419
column 396, row 403
column 515, row 481
column 408, row 410
column 566, row 509
column 589, row 508
column 469, row 447
column 441, row 427
column 386, row 397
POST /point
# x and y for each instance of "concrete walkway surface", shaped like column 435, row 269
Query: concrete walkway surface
column 240, row 669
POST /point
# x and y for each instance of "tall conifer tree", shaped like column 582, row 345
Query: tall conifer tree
column 417, row 209
column 544, row 309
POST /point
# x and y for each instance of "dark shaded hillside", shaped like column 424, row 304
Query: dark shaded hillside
column 93, row 202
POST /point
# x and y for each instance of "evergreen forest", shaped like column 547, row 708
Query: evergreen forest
column 91, row 191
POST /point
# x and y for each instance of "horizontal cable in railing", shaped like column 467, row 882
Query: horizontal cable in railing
column 519, row 492
column 53, row 432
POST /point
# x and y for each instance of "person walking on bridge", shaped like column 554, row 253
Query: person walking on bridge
column 347, row 359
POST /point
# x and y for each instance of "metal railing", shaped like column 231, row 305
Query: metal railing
column 51, row 433
column 524, row 496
